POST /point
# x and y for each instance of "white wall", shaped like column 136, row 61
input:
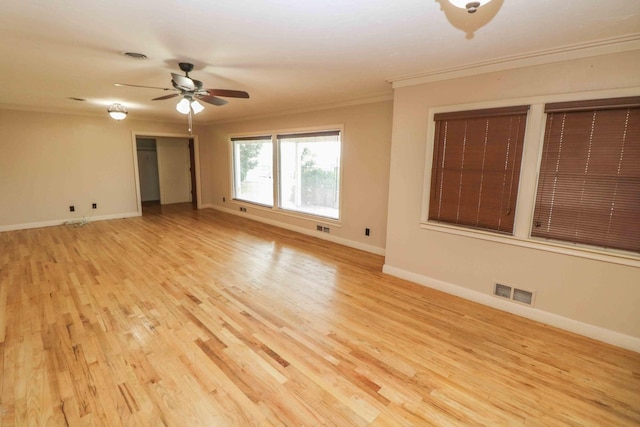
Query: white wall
column 50, row 161
column 174, row 170
column 599, row 296
column 366, row 143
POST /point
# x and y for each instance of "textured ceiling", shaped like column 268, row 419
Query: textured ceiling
column 288, row 54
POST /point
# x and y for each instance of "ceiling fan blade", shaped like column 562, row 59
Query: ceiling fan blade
column 146, row 87
column 160, row 98
column 183, row 82
column 212, row 100
column 228, row 93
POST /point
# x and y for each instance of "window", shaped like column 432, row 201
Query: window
column 253, row 169
column 310, row 172
column 306, row 178
column 589, row 183
column 476, row 167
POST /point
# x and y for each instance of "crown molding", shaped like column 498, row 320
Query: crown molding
column 379, row 97
column 373, row 98
column 626, row 43
column 89, row 114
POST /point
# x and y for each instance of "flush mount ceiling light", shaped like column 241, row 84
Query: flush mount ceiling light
column 471, row 6
column 117, row 111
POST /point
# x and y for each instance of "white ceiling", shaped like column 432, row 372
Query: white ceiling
column 288, row 54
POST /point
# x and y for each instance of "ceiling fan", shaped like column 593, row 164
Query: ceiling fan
column 192, row 90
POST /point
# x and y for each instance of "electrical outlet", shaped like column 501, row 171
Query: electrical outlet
column 367, row 232
column 94, row 206
column 243, row 209
column 72, row 208
column 326, row 229
column 224, row 199
column 319, row 227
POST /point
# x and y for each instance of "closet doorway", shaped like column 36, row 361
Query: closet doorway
column 167, row 173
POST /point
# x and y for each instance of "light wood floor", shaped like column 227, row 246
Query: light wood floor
column 202, row 318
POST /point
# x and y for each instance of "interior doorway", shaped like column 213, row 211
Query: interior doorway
column 167, row 173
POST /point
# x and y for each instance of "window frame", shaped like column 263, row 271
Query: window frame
column 571, row 110
column 283, row 137
column 259, row 137
column 441, row 146
column 276, row 209
column 529, row 174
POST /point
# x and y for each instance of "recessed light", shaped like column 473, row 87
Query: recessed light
column 135, row 55
column 73, row 98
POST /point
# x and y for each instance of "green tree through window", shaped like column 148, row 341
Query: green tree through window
column 318, row 185
column 253, row 169
column 248, row 158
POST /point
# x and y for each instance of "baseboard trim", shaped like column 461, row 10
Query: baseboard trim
column 55, row 222
column 339, row 240
column 601, row 334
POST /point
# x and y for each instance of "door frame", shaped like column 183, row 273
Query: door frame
column 195, row 199
column 136, row 172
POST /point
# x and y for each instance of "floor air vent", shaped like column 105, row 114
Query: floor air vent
column 522, row 296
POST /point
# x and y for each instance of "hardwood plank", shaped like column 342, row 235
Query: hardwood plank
column 186, row 317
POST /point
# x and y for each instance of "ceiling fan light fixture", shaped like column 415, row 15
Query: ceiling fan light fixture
column 183, row 106
column 196, row 107
column 190, row 91
column 117, row 111
column 470, row 6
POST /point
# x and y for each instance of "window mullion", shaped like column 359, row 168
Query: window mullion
column 275, row 143
column 531, row 157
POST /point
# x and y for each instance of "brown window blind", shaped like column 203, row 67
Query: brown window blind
column 476, row 167
column 589, row 183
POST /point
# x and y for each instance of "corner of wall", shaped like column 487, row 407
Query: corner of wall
column 587, row 330
column 342, row 241
column 29, row 225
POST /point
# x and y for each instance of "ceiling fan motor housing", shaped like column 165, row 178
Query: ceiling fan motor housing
column 186, row 67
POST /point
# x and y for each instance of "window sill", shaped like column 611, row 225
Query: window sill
column 292, row 214
column 244, row 203
column 622, row 258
